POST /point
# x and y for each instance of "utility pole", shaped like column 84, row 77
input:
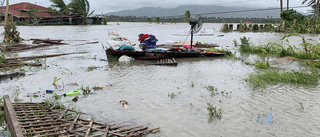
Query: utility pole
column 6, row 23
column 6, row 15
column 281, row 6
column 317, row 9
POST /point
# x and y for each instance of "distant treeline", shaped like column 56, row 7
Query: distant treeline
column 113, row 18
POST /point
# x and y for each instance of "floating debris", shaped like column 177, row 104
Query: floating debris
column 100, row 87
column 46, row 119
column 75, row 99
column 124, row 103
column 37, row 94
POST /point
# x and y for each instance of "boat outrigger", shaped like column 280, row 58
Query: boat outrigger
column 150, row 55
column 149, row 52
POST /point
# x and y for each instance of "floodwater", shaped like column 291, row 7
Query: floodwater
column 295, row 108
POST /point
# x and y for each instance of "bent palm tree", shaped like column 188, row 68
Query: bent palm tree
column 313, row 3
column 81, row 8
column 61, row 5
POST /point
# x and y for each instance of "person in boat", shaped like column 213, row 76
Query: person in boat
column 147, row 41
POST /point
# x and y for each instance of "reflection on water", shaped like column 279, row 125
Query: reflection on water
column 295, row 109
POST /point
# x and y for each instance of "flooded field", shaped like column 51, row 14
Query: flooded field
column 173, row 98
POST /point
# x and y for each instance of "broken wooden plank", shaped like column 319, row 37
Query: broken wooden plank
column 16, row 74
column 170, row 62
column 12, row 120
column 43, row 56
column 143, row 132
column 90, row 125
column 37, row 119
column 23, row 47
column 87, row 43
column 50, row 41
column 64, row 112
column 16, row 64
column 56, row 40
column 74, row 122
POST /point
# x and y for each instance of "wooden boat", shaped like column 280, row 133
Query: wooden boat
column 149, row 55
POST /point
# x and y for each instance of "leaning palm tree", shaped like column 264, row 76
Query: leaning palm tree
column 61, row 6
column 80, row 8
column 314, row 3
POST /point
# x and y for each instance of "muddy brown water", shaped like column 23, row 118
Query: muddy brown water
column 294, row 108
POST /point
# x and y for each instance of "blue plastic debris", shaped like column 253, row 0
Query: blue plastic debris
column 269, row 118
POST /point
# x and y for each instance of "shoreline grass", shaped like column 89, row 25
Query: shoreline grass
column 272, row 77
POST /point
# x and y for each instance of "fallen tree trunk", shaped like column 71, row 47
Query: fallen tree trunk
column 16, row 64
column 42, row 56
column 20, row 47
column 94, row 42
column 50, row 41
column 16, row 74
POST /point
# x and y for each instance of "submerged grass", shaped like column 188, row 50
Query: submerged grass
column 214, row 111
column 272, row 77
column 2, row 59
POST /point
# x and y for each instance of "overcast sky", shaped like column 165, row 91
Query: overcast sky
column 105, row 6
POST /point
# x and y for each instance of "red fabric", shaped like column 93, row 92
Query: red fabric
column 144, row 36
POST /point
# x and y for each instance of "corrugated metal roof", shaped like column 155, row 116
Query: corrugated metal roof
column 16, row 13
column 15, row 10
column 26, row 6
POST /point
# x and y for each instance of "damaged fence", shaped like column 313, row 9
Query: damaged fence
column 43, row 119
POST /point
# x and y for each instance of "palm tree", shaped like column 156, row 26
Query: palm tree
column 281, row 6
column 313, row 3
column 187, row 16
column 80, row 8
column 61, row 5
column 287, row 4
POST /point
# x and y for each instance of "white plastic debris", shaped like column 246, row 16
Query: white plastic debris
column 125, row 59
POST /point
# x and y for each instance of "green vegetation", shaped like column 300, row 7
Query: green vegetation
column 55, row 79
column 76, row 8
column 2, row 115
column 2, row 59
column 187, row 16
column 171, row 95
column 213, row 111
column 212, row 49
column 214, row 91
column 56, row 96
column 269, row 77
column 157, row 20
column 11, row 35
column 305, row 51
